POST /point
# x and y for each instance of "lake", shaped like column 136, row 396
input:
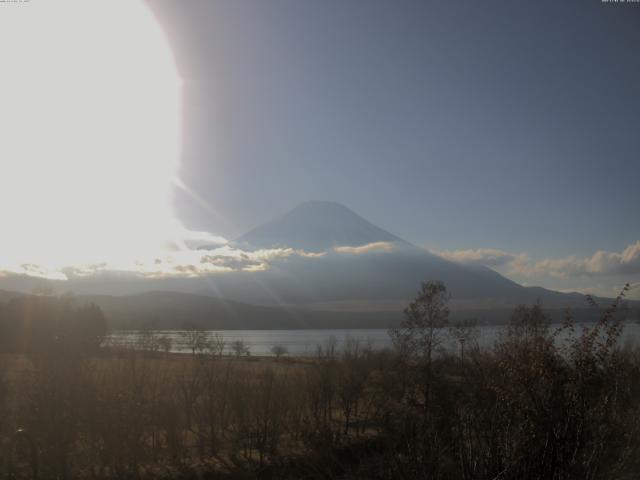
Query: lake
column 306, row 342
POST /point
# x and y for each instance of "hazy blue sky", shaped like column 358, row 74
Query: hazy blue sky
column 455, row 125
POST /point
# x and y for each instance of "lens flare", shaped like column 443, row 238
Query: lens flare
column 90, row 114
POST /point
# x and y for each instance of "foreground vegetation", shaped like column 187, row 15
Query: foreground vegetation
column 532, row 406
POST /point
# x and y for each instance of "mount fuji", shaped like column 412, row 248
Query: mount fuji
column 332, row 269
column 359, row 265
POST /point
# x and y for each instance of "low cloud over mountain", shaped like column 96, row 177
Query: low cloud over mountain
column 601, row 262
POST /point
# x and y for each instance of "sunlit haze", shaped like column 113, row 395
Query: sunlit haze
column 90, row 123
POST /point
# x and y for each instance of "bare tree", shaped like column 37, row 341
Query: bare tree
column 148, row 341
column 279, row 351
column 165, row 343
column 466, row 333
column 239, row 348
column 196, row 339
column 216, row 344
column 422, row 330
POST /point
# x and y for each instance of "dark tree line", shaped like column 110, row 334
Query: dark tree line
column 33, row 323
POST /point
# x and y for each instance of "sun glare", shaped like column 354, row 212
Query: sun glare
column 90, row 125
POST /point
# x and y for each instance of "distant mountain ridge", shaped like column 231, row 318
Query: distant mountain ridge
column 166, row 310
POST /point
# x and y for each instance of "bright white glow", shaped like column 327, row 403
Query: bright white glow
column 89, row 133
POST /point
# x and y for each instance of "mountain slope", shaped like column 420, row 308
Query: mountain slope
column 316, row 226
column 391, row 274
column 379, row 276
column 394, row 273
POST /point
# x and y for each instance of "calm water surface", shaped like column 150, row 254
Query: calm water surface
column 306, row 342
